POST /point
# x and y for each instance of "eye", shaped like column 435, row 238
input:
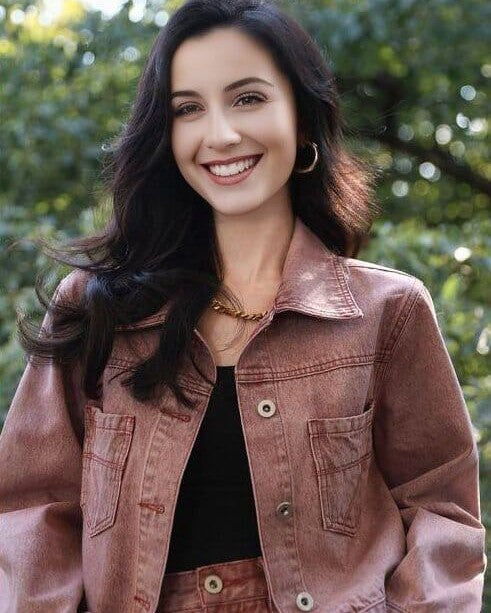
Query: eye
column 251, row 95
column 184, row 110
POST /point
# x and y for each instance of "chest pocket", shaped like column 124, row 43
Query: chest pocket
column 341, row 448
column 106, row 445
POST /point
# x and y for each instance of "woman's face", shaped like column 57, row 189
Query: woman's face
column 221, row 119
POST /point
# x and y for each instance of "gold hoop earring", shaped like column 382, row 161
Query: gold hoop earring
column 316, row 159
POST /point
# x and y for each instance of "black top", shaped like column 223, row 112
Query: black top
column 215, row 519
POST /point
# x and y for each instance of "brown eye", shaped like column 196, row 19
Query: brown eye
column 181, row 110
column 254, row 96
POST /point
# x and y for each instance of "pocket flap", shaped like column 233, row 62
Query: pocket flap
column 326, row 425
column 108, row 436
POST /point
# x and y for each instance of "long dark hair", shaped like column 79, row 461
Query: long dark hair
column 159, row 246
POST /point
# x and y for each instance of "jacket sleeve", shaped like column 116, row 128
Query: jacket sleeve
column 40, row 476
column 428, row 456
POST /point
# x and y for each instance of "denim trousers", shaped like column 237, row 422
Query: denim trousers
column 228, row 587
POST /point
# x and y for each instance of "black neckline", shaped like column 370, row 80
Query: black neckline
column 226, row 367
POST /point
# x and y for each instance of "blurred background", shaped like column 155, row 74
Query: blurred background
column 413, row 77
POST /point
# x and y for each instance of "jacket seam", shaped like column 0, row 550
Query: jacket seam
column 123, row 365
column 313, row 369
column 412, row 296
column 396, row 606
column 251, row 470
column 379, row 267
column 292, row 489
column 407, row 310
column 369, row 607
column 310, row 369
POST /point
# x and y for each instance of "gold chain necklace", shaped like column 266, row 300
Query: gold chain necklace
column 221, row 308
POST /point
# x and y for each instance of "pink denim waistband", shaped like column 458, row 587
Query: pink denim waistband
column 217, row 587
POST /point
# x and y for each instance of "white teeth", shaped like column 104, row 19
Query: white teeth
column 232, row 169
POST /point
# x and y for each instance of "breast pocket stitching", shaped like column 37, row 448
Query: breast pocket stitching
column 341, row 448
column 107, row 442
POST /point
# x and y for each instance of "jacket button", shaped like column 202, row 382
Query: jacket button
column 266, row 408
column 305, row 602
column 213, row 584
column 284, row 509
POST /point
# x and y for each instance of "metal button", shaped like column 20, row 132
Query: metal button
column 284, row 509
column 266, row 408
column 305, row 602
column 213, row 584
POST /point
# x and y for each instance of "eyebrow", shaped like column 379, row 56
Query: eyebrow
column 228, row 88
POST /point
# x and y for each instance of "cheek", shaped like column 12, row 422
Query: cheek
column 185, row 143
column 282, row 147
column 179, row 145
column 277, row 131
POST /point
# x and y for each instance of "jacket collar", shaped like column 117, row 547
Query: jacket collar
column 315, row 282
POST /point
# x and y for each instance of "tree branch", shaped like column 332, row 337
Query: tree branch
column 392, row 95
column 440, row 158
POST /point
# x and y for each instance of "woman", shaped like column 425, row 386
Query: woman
column 320, row 457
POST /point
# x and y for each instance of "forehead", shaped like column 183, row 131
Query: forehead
column 219, row 56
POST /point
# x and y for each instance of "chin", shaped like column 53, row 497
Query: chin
column 231, row 210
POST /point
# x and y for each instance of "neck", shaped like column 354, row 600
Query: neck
column 253, row 247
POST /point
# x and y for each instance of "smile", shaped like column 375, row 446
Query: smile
column 230, row 174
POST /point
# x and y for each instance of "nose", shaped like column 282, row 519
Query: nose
column 219, row 132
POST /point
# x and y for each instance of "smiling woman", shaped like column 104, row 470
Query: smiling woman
column 235, row 127
column 154, row 459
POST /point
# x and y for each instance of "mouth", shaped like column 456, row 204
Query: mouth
column 234, row 178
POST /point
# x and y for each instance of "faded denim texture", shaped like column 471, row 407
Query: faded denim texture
column 360, row 446
column 244, row 589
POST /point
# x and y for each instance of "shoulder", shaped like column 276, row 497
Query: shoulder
column 72, row 287
column 377, row 270
column 383, row 278
column 383, row 286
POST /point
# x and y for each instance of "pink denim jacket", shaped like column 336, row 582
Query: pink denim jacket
column 361, row 451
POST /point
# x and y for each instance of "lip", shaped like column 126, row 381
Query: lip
column 232, row 180
column 231, row 160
